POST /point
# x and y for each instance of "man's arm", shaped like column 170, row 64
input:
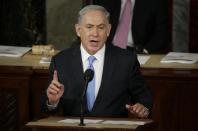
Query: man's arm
column 54, row 92
column 141, row 96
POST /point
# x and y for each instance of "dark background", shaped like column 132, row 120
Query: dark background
column 23, row 22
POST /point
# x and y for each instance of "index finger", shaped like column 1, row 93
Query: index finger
column 55, row 76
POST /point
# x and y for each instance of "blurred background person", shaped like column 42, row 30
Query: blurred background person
column 140, row 25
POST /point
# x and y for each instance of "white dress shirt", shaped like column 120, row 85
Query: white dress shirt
column 97, row 64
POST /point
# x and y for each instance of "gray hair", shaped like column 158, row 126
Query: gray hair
column 87, row 8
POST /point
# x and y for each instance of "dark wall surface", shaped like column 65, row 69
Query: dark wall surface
column 22, row 22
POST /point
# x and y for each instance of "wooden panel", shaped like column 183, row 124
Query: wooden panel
column 8, row 110
column 174, row 98
column 38, row 86
column 14, row 99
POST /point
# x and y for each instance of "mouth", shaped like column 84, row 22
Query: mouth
column 94, row 42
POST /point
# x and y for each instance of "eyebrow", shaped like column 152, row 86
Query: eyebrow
column 96, row 25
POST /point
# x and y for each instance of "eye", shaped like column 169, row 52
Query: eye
column 89, row 26
column 101, row 27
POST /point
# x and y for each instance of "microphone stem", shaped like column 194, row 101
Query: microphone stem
column 82, row 103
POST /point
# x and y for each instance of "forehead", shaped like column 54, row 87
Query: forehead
column 94, row 17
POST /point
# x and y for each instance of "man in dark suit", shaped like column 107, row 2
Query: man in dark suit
column 117, row 76
column 149, row 24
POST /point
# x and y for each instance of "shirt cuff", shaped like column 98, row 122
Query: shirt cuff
column 51, row 106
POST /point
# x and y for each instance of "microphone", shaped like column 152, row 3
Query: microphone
column 88, row 76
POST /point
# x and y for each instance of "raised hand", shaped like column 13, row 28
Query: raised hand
column 55, row 90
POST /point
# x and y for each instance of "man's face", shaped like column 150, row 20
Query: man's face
column 93, row 31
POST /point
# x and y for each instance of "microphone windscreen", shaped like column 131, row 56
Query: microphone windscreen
column 88, row 75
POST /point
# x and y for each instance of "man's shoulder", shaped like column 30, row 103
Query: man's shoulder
column 68, row 52
column 122, row 56
column 117, row 51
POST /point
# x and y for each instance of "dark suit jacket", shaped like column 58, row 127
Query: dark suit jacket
column 149, row 22
column 121, row 78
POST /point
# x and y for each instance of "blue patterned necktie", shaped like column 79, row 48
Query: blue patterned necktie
column 91, row 86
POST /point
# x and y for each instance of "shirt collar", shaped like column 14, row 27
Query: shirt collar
column 99, row 54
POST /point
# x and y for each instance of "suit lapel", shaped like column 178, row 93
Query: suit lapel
column 77, row 67
column 107, row 73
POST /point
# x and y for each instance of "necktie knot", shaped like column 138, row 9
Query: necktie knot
column 91, row 59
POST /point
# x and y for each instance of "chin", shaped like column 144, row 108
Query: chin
column 93, row 50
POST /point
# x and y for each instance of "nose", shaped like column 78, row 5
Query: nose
column 95, row 32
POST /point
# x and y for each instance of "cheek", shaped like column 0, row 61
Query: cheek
column 104, row 35
column 85, row 33
column 84, row 37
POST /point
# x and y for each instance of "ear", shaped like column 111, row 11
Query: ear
column 77, row 27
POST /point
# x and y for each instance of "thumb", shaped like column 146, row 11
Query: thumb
column 55, row 76
column 129, row 107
